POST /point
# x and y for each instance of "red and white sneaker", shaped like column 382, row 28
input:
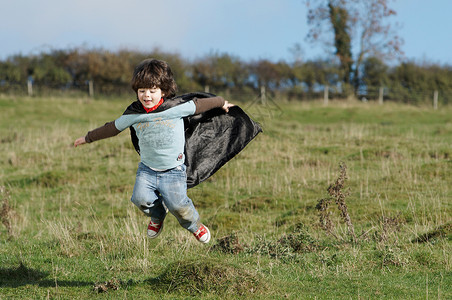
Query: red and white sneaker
column 154, row 229
column 202, row 234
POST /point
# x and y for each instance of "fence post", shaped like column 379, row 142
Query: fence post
column 325, row 95
column 435, row 100
column 206, row 88
column 30, row 87
column 90, row 88
column 380, row 95
column 263, row 95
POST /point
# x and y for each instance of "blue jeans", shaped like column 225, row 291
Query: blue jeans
column 155, row 190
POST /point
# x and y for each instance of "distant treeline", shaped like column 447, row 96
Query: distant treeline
column 299, row 80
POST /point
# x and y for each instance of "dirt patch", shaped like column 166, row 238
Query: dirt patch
column 104, row 287
column 228, row 244
column 289, row 246
column 208, row 276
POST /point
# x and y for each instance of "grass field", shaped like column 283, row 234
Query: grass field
column 348, row 201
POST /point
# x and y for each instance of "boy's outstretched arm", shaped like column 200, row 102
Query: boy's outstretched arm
column 103, row 132
column 80, row 141
column 227, row 105
column 205, row 104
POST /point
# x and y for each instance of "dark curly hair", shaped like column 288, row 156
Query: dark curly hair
column 154, row 73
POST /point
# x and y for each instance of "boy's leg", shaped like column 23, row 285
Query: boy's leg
column 173, row 188
column 145, row 196
column 159, row 208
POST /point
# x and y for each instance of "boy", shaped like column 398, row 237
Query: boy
column 161, row 180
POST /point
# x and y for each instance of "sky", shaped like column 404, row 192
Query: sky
column 249, row 29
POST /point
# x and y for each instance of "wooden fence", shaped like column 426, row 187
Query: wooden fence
column 261, row 94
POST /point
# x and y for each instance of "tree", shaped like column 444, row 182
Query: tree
column 266, row 74
column 375, row 72
column 47, row 71
column 220, row 71
column 339, row 20
column 364, row 25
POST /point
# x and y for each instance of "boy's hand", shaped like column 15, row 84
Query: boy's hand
column 227, row 105
column 80, row 141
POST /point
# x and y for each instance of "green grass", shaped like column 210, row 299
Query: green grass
column 69, row 229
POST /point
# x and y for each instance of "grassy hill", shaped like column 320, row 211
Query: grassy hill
column 345, row 201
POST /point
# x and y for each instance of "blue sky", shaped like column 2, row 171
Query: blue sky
column 250, row 29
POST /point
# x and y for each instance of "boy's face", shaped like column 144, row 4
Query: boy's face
column 149, row 97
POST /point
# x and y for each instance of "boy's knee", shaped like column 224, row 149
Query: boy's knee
column 184, row 213
column 142, row 203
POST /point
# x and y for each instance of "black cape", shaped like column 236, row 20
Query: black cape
column 211, row 138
